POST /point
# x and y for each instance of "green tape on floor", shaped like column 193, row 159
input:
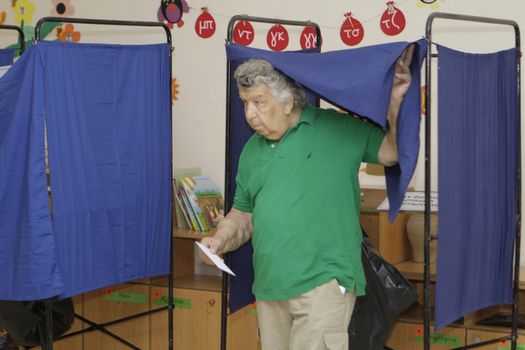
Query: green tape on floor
column 507, row 347
column 181, row 303
column 440, row 339
column 163, row 301
column 136, row 298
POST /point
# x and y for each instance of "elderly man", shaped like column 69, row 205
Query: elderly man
column 298, row 199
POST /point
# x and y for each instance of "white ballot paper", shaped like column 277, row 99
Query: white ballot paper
column 217, row 260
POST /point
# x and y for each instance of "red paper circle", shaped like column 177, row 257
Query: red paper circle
column 352, row 31
column 308, row 38
column 243, row 33
column 277, row 38
column 393, row 21
column 205, row 25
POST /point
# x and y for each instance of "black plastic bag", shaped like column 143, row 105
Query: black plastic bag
column 388, row 294
column 23, row 320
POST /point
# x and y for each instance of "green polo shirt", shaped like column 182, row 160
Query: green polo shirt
column 303, row 192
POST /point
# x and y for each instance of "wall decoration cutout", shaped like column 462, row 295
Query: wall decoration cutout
column 171, row 11
column 433, row 4
column 393, row 20
column 24, row 10
column 243, row 33
column 68, row 34
column 62, row 8
column 277, row 38
column 205, row 24
column 3, row 15
column 352, row 31
column 174, row 89
column 308, row 38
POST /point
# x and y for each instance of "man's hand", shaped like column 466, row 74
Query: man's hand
column 214, row 244
column 402, row 77
column 233, row 230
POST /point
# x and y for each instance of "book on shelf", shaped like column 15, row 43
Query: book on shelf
column 204, row 200
column 188, row 209
column 183, row 220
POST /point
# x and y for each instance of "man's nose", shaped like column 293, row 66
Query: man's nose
column 250, row 111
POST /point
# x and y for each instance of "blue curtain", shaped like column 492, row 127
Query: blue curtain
column 6, row 57
column 109, row 138
column 478, row 136
column 27, row 243
column 109, row 134
column 358, row 80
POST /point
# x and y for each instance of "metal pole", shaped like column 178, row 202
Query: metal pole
column 426, row 273
column 21, row 36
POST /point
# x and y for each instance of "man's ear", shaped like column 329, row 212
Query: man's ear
column 288, row 105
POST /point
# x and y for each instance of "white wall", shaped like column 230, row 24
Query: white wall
column 199, row 64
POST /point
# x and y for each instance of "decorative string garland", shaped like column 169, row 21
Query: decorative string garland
column 205, row 24
column 277, row 37
column 393, row 20
column 308, row 38
column 243, row 33
column 352, row 31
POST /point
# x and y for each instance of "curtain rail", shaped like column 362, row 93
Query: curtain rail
column 21, row 36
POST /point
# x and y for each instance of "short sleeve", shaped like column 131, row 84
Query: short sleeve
column 375, row 139
column 242, row 200
column 367, row 136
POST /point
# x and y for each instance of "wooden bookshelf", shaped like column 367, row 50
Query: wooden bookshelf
column 200, row 282
column 184, row 258
column 192, row 234
column 413, row 270
column 395, row 248
column 371, row 198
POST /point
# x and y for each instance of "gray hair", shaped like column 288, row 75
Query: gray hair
column 259, row 71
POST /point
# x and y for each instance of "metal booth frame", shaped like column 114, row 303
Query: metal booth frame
column 228, row 151
column 21, row 36
column 170, row 307
column 427, row 237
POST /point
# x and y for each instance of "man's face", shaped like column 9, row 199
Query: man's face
column 264, row 113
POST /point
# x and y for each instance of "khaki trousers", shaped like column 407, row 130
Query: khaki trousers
column 315, row 320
